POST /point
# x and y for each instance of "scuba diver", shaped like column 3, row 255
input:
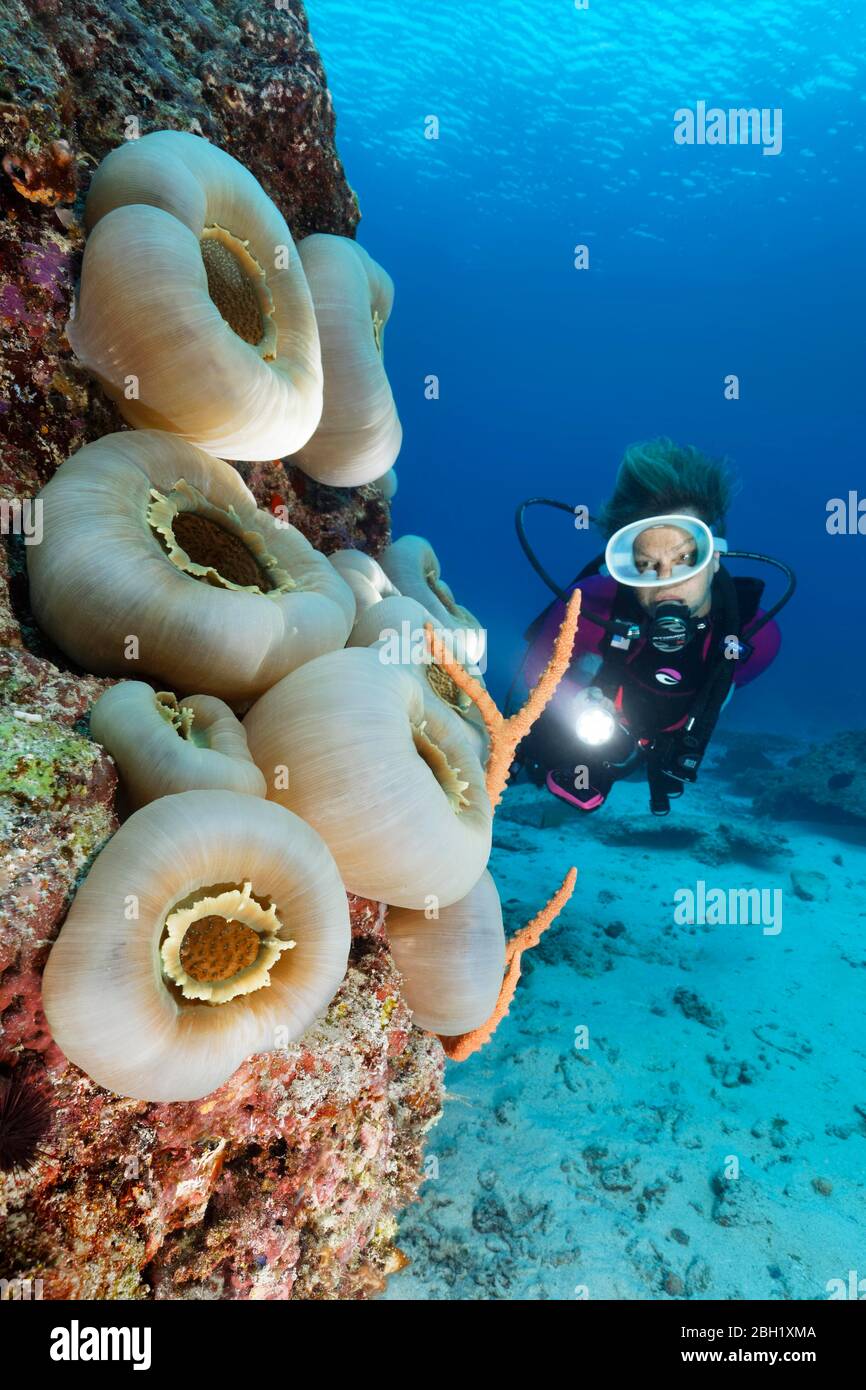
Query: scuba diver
column 665, row 635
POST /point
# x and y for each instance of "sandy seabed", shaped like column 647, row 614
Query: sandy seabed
column 709, row 1139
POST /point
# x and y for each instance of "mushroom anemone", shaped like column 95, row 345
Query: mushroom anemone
column 155, row 553
column 364, row 752
column 394, row 627
column 194, row 312
column 211, row 927
column 364, row 576
column 163, row 746
column 452, row 965
column 413, row 568
column 359, row 435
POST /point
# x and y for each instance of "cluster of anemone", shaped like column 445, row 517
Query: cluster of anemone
column 156, row 557
column 275, row 749
column 201, row 317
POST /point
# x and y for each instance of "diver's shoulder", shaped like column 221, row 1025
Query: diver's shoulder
column 600, row 586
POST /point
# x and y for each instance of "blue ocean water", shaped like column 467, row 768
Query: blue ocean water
column 556, row 128
column 558, row 1170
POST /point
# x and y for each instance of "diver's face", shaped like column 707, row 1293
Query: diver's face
column 657, row 552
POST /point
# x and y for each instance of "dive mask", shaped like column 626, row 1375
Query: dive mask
column 627, row 564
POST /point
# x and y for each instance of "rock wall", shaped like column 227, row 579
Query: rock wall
column 286, row 1181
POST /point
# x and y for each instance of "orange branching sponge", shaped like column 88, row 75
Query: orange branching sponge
column 505, row 734
column 459, row 1048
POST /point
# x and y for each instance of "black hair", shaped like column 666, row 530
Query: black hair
column 659, row 476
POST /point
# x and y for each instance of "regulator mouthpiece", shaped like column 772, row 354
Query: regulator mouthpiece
column 672, row 627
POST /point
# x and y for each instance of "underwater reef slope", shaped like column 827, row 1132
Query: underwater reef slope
column 285, row 1182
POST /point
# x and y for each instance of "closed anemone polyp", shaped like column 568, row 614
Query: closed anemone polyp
column 387, row 484
column 148, row 1010
column 452, row 964
column 156, row 561
column 162, row 746
column 413, row 568
column 365, row 577
column 365, row 753
column 359, row 435
column 194, row 311
column 394, row 627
